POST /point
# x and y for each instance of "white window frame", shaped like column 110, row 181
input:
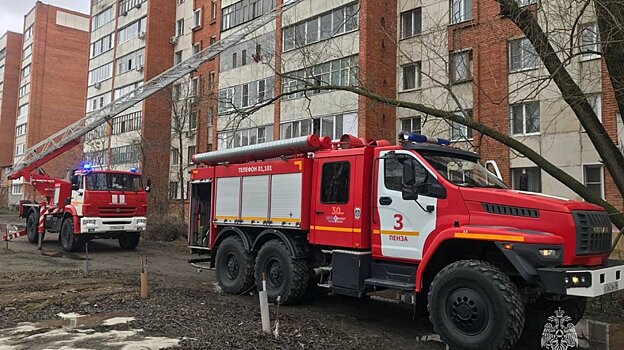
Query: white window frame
column 412, row 18
column 469, row 66
column 197, row 18
column 180, row 27
column 602, row 177
column 464, row 14
column 463, row 129
column 524, row 119
column 526, row 51
column 411, row 120
column 417, row 78
column 596, row 104
column 594, row 46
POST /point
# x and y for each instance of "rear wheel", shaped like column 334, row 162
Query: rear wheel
column 285, row 276
column 70, row 241
column 129, row 240
column 32, row 227
column 474, row 305
column 234, row 266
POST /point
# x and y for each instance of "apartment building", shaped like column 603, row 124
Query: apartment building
column 193, row 98
column 336, row 42
column 460, row 55
column 10, row 55
column 130, row 44
column 52, row 82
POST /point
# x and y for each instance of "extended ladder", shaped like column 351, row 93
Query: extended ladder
column 51, row 147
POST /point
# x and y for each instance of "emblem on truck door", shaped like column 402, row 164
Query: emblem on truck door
column 357, row 213
column 559, row 332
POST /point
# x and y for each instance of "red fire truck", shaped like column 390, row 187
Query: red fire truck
column 423, row 219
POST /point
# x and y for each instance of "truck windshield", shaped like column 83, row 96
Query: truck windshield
column 113, row 182
column 464, row 172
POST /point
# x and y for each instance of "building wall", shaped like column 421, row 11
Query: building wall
column 11, row 45
column 58, row 67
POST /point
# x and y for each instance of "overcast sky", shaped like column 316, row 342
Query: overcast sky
column 12, row 12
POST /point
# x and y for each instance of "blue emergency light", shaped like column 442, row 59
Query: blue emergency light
column 133, row 170
column 413, row 137
column 86, row 166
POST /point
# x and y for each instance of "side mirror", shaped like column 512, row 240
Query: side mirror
column 75, row 186
column 409, row 173
column 148, row 187
column 434, row 190
column 409, row 193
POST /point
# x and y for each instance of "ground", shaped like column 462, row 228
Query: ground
column 42, row 293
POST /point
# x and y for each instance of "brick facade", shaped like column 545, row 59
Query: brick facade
column 10, row 87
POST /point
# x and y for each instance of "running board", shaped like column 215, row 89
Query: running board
column 389, row 284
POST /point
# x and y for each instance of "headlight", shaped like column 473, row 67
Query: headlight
column 141, row 221
column 88, row 222
column 549, row 253
column 577, row 279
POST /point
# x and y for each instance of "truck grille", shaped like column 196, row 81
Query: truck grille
column 116, row 211
column 593, row 232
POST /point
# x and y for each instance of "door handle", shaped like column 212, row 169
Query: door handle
column 385, row 200
column 320, row 212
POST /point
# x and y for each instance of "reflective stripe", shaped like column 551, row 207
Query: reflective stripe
column 489, row 237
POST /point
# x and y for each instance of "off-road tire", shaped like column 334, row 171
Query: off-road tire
column 474, row 306
column 285, row 276
column 70, row 241
column 129, row 240
column 234, row 266
column 537, row 313
column 32, row 227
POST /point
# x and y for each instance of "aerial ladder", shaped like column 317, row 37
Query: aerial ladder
column 60, row 142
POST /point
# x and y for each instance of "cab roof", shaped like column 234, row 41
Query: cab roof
column 444, row 150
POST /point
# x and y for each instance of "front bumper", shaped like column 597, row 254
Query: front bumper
column 107, row 225
column 593, row 282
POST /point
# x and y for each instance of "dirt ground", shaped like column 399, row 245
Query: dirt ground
column 47, row 302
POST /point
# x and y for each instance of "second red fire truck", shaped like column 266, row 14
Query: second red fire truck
column 422, row 219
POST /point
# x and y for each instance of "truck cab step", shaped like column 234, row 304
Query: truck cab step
column 389, row 284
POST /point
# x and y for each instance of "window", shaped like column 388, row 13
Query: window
column 589, row 41
column 332, row 126
column 122, row 91
column 173, row 190
column 525, row 2
column 461, row 66
column 22, row 111
column 393, row 172
column 102, row 18
column 213, row 40
column 103, row 45
column 19, row 149
column 411, row 76
column 20, row 130
column 197, row 17
column 98, row 102
column 527, row 179
column 28, row 33
column 194, row 87
column 341, row 72
column 525, row 118
column 335, row 183
column 127, row 123
column 213, row 15
column 338, row 21
column 460, row 132
column 461, row 10
column 593, row 179
column 125, row 154
column 595, row 101
column 244, row 137
column 126, row 5
column 180, row 27
column 244, row 57
column 411, row 23
column 131, row 61
column 27, row 52
column 234, row 60
column 16, row 189
column 177, row 57
column 26, row 71
column 175, row 156
column 261, row 91
column 245, row 95
column 243, row 11
column 196, row 48
column 245, row 100
column 211, row 80
column 522, row 55
column 412, row 125
column 180, row 2
column 131, row 31
column 100, row 74
column 190, row 152
column 24, row 90
column 193, row 121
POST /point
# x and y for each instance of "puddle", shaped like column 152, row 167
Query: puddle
column 78, row 332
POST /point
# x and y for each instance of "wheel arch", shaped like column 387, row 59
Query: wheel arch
column 296, row 242
column 228, row 232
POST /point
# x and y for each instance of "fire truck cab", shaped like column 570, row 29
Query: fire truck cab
column 422, row 219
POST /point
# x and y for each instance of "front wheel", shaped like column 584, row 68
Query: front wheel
column 69, row 240
column 473, row 305
column 285, row 276
column 32, row 227
column 129, row 240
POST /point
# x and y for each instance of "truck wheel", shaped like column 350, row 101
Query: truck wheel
column 537, row 313
column 234, row 266
column 285, row 277
column 32, row 227
column 129, row 240
column 69, row 240
column 473, row 305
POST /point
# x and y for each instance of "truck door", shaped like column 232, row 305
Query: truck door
column 332, row 216
column 404, row 225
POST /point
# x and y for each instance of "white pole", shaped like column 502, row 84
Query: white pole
column 264, row 308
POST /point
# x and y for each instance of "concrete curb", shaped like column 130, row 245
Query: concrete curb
column 598, row 335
